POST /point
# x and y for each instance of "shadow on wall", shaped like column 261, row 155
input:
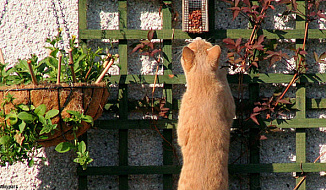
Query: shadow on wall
column 58, row 172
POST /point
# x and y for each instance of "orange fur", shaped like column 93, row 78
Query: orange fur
column 205, row 117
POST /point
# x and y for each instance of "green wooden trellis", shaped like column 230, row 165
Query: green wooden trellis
column 254, row 168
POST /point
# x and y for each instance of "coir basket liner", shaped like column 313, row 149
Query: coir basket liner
column 85, row 98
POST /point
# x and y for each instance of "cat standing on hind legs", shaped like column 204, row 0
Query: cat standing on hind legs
column 206, row 115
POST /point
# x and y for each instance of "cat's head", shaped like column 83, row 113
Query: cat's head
column 200, row 55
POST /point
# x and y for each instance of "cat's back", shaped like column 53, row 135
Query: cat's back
column 205, row 117
column 208, row 93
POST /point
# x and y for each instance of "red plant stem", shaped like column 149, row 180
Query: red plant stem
column 295, row 76
column 305, row 35
column 300, row 182
column 107, row 59
column 294, row 79
column 31, row 71
column 155, row 79
column 106, row 69
column 2, row 60
column 59, row 68
column 304, row 177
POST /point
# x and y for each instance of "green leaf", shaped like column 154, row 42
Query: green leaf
column 81, row 147
column 5, row 139
column 27, row 117
column 22, row 126
column 52, row 113
column 88, row 119
column 64, row 147
column 24, row 107
column 73, row 112
column 42, row 120
column 43, row 137
column 40, row 110
column 31, row 162
column 48, row 128
column 12, row 117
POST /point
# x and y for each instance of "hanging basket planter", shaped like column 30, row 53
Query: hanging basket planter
column 195, row 16
column 50, row 102
column 84, row 98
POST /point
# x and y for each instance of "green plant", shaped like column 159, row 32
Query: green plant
column 88, row 65
column 76, row 120
column 20, row 130
column 24, row 125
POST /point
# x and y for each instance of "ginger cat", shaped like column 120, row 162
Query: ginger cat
column 205, row 117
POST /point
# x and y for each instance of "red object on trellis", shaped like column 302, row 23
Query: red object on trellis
column 195, row 16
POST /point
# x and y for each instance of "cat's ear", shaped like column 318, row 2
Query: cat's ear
column 213, row 54
column 188, row 57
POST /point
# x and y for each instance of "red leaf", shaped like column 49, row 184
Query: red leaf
column 248, row 46
column 139, row 46
column 260, row 39
column 247, row 2
column 274, row 59
column 155, row 51
column 268, row 116
column 150, row 34
column 254, row 7
column 236, row 3
column 256, row 109
column 303, row 52
column 284, row 101
column 238, row 42
column 150, row 45
column 258, row 47
column 322, row 56
column 263, row 137
column 236, row 11
column 230, row 54
column 284, row 55
column 228, row 41
column 239, row 60
column 284, row 2
column 272, row 7
column 146, row 53
column 316, row 57
column 253, row 117
column 320, row 15
column 294, row 4
column 255, row 64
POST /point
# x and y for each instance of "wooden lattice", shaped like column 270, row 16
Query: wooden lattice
column 253, row 168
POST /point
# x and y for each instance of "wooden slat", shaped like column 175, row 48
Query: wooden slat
column 172, row 124
column 254, row 152
column 123, row 135
column 277, row 168
column 167, row 62
column 234, row 168
column 215, row 34
column 250, row 78
column 312, row 103
column 122, row 16
column 82, row 16
column 301, row 103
